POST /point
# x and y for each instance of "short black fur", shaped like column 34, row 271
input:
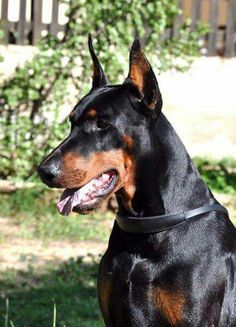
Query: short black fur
column 181, row 277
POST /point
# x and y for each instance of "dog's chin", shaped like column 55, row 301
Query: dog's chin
column 83, row 211
column 87, row 209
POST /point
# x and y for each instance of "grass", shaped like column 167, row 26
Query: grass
column 34, row 210
column 62, row 297
column 48, row 296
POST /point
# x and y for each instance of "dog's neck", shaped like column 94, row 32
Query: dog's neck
column 166, row 179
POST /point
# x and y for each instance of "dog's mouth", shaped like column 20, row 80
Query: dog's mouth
column 88, row 196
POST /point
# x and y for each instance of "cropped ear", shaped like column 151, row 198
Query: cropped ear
column 99, row 78
column 143, row 78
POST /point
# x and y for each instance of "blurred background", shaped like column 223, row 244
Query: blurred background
column 48, row 263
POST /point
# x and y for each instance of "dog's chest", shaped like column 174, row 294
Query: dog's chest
column 131, row 291
column 130, row 269
column 126, row 285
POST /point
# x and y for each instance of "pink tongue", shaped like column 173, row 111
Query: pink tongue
column 65, row 204
column 71, row 198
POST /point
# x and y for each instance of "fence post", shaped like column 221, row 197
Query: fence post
column 196, row 10
column 54, row 23
column 21, row 23
column 178, row 20
column 36, row 20
column 230, row 29
column 4, row 23
column 212, row 38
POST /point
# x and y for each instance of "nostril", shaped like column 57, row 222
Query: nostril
column 48, row 172
column 48, row 175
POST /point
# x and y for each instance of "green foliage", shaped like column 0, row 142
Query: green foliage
column 29, row 112
column 32, row 294
column 32, row 100
column 179, row 52
column 220, row 176
column 34, row 211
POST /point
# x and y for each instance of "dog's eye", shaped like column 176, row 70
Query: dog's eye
column 102, row 123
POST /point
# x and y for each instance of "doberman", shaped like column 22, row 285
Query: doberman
column 171, row 258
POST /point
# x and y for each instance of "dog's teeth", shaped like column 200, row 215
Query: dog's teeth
column 89, row 193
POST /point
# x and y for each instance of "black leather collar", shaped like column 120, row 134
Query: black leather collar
column 155, row 224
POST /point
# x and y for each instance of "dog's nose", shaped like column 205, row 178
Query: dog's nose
column 48, row 172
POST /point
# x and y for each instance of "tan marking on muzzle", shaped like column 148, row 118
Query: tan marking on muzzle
column 128, row 190
column 78, row 170
column 71, row 175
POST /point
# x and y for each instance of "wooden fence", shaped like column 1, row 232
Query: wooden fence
column 219, row 14
column 27, row 30
column 221, row 17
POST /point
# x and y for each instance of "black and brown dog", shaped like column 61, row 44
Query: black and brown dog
column 171, row 259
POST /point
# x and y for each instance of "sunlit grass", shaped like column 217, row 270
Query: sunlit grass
column 63, row 296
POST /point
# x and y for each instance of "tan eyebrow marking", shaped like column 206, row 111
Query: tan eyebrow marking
column 91, row 113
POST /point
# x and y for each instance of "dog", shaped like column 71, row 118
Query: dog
column 171, row 255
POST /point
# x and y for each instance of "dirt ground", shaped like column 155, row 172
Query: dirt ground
column 20, row 254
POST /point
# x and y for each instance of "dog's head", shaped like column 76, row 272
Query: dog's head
column 109, row 130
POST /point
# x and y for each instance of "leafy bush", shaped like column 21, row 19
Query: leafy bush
column 220, row 176
column 31, row 101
